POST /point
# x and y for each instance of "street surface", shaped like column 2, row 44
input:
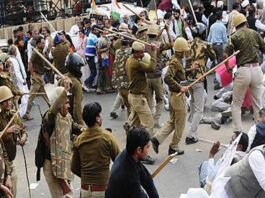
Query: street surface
column 173, row 180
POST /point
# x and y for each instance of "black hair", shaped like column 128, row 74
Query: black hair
column 176, row 10
column 219, row 15
column 262, row 112
column 90, row 113
column 29, row 32
column 83, row 31
column 136, row 20
column 20, row 28
column 69, row 39
column 39, row 40
column 252, row 11
column 236, row 6
column 243, row 140
column 47, row 29
column 137, row 137
column 167, row 15
column 10, row 41
column 15, row 31
column 242, row 11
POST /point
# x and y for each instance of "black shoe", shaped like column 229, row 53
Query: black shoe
column 155, row 144
column 172, row 151
column 191, row 140
column 122, row 106
column 113, row 115
column 126, row 127
column 148, row 160
column 215, row 125
column 215, row 97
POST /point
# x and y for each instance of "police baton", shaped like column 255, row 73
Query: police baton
column 210, row 71
column 164, row 163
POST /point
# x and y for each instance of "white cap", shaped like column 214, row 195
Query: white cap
column 245, row 3
column 220, row 4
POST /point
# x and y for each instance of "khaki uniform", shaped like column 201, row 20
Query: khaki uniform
column 4, row 164
column 249, row 73
column 119, row 76
column 6, row 80
column 200, row 52
column 10, row 143
column 37, row 82
column 140, row 111
column 155, row 82
column 75, row 99
column 177, row 104
column 59, row 56
column 57, row 163
column 142, row 36
column 93, row 169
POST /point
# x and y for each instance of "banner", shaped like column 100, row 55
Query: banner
column 115, row 10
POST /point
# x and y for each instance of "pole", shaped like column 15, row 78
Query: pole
column 26, row 168
column 210, row 71
column 47, row 21
column 131, row 10
column 135, row 39
column 48, row 62
column 41, row 93
column 193, row 13
column 211, row 142
column 155, row 9
column 164, row 163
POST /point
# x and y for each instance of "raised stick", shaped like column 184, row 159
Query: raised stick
column 164, row 163
column 131, row 10
column 47, row 21
column 210, row 71
column 40, row 93
column 134, row 39
column 211, row 142
column 48, row 62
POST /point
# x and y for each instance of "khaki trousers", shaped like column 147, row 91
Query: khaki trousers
column 37, row 85
column 140, row 112
column 92, row 194
column 155, row 85
column 13, row 179
column 246, row 77
column 124, row 94
column 54, row 186
column 177, row 121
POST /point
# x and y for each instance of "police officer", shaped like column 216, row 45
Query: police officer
column 249, row 73
column 119, row 76
column 155, row 84
column 5, row 78
column 15, row 134
column 177, row 103
column 141, row 33
column 73, row 63
column 37, row 69
column 196, row 67
column 60, row 53
column 136, row 70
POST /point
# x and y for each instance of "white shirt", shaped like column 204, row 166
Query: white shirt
column 74, row 30
column 29, row 49
column 251, row 136
column 19, row 70
column 175, row 4
column 188, row 33
column 260, row 25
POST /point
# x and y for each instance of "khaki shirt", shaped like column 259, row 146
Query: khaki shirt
column 10, row 139
column 37, row 62
column 200, row 52
column 5, row 80
column 175, row 73
column 136, row 71
column 75, row 99
column 249, row 42
column 93, row 150
column 59, row 54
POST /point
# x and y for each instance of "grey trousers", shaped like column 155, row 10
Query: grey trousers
column 196, row 107
column 219, row 52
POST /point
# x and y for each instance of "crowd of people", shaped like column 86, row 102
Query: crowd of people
column 150, row 64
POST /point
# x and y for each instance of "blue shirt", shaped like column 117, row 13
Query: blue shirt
column 91, row 44
column 218, row 33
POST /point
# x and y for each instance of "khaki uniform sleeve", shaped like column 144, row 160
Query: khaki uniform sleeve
column 165, row 46
column 33, row 56
column 75, row 162
column 114, row 148
column 169, row 77
column 23, row 127
column 210, row 52
column 10, row 85
column 77, row 112
column 7, row 164
column 148, row 67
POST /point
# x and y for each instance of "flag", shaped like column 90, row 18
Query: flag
column 93, row 7
column 115, row 10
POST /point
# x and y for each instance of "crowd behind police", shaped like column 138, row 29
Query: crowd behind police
column 180, row 46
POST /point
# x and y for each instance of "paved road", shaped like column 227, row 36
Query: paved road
column 171, row 182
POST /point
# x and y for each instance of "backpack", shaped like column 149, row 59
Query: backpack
column 41, row 147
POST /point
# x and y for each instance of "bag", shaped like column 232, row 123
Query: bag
column 41, row 147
